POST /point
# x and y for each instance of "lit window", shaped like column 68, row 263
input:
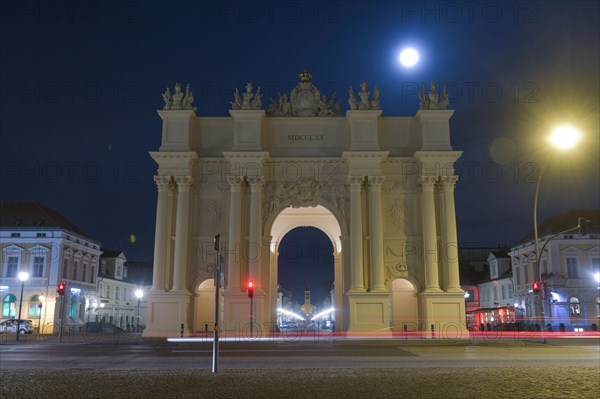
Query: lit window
column 34, row 308
column 9, row 306
column 575, row 307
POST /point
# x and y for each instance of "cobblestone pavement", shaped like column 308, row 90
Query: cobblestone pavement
column 432, row 382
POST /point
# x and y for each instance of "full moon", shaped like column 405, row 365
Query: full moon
column 409, row 57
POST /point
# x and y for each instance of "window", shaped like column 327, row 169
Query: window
column 574, row 306
column 38, row 266
column 84, row 273
column 108, row 291
column 495, row 293
column 494, row 269
column 503, row 292
column 572, row 267
column 9, row 306
column 100, row 289
column 117, row 293
column 12, row 266
column 93, row 275
column 75, row 266
column 517, row 275
column 595, row 265
column 510, row 294
column 15, row 235
column 40, row 235
column 65, row 267
column 34, row 306
column 118, row 272
column 545, row 267
column 73, row 307
column 526, row 270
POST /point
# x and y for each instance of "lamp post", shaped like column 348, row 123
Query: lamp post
column 564, row 138
column 23, row 276
column 40, row 306
column 138, row 294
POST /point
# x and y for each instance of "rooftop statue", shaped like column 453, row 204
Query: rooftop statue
column 248, row 100
column 431, row 99
column 363, row 94
column 178, row 100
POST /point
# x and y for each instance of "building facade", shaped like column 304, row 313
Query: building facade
column 37, row 240
column 568, row 267
column 381, row 188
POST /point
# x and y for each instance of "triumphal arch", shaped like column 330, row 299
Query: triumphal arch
column 381, row 188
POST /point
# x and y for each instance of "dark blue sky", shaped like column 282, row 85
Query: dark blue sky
column 80, row 83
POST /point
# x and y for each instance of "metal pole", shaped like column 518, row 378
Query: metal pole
column 215, row 358
column 18, row 326
column 138, row 315
column 251, row 314
column 61, row 314
column 537, row 251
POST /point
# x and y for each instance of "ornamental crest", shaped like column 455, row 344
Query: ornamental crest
column 304, row 100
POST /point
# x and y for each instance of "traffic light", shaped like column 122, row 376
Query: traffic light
column 250, row 289
column 536, row 287
column 61, row 288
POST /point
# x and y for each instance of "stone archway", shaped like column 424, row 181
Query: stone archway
column 404, row 315
column 321, row 218
column 204, row 306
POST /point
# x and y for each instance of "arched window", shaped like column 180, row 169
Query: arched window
column 9, row 306
column 574, row 306
column 34, row 308
column 73, row 307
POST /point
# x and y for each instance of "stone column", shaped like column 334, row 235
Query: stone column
column 233, row 244
column 160, row 234
column 255, row 244
column 451, row 251
column 181, row 233
column 376, row 227
column 429, row 235
column 356, row 253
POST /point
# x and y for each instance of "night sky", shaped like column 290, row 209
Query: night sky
column 81, row 82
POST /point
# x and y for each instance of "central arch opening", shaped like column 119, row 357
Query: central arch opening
column 305, row 280
column 306, row 253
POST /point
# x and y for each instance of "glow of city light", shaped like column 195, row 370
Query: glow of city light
column 597, row 277
column 287, row 312
column 409, row 57
column 323, row 313
column 565, row 137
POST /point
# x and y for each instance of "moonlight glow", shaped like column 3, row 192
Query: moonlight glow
column 409, row 57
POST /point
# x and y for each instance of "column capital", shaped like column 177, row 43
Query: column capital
column 256, row 182
column 449, row 182
column 183, row 183
column 355, row 182
column 235, row 181
column 428, row 182
column 162, row 182
column 375, row 182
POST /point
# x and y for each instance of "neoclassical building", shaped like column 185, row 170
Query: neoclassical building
column 381, row 188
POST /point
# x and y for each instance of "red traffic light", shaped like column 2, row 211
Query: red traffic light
column 61, row 288
column 250, row 289
column 536, row 287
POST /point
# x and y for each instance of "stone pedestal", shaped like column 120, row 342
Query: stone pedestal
column 446, row 312
column 166, row 312
column 434, row 127
column 247, row 129
column 368, row 312
column 177, row 130
column 364, row 133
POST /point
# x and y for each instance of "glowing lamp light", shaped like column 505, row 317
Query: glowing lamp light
column 597, row 277
column 23, row 276
column 323, row 313
column 409, row 57
column 139, row 294
column 292, row 314
column 565, row 137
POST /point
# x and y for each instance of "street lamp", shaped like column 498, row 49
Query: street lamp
column 563, row 138
column 138, row 294
column 23, row 276
column 40, row 305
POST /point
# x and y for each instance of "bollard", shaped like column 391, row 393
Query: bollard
column 432, row 331
column 181, row 330
column 405, row 330
column 206, row 329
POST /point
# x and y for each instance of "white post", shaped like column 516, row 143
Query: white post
column 158, row 276
column 181, row 233
column 356, row 253
column 429, row 235
column 378, row 283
